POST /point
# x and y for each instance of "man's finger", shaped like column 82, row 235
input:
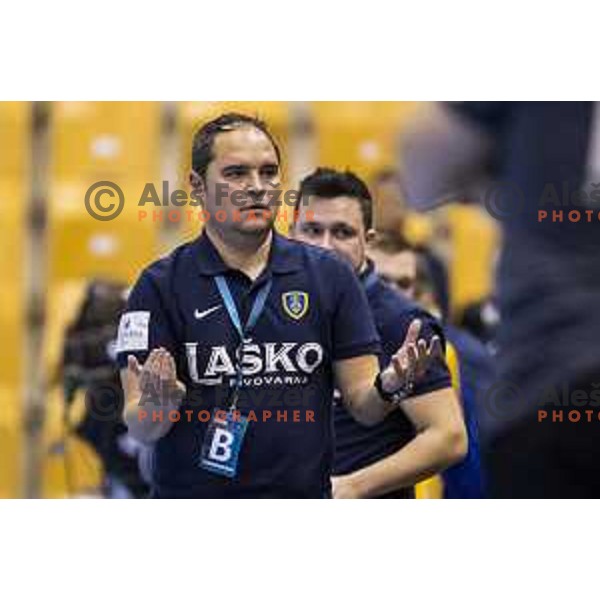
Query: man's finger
column 413, row 355
column 163, row 367
column 148, row 378
column 435, row 348
column 413, row 363
column 170, row 365
column 133, row 365
column 167, row 381
column 412, row 335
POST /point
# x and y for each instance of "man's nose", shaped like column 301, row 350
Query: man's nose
column 327, row 241
column 255, row 186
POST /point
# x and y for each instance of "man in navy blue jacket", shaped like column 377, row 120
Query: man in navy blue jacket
column 230, row 345
column 426, row 433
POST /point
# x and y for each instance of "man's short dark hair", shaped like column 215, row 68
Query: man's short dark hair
column 204, row 138
column 329, row 183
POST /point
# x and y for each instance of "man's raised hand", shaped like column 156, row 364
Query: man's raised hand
column 157, row 378
column 411, row 361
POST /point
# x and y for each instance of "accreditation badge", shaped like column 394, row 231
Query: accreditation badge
column 223, row 442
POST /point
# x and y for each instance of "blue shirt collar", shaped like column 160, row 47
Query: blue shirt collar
column 284, row 256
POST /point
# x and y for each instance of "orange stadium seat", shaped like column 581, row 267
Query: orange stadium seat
column 360, row 136
column 15, row 127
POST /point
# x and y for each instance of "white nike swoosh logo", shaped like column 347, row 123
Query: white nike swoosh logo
column 204, row 313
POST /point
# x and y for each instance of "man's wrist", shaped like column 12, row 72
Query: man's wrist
column 392, row 396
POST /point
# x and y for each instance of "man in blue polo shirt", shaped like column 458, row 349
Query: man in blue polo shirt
column 427, row 433
column 230, row 345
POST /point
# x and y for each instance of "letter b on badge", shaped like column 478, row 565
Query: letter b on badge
column 220, row 447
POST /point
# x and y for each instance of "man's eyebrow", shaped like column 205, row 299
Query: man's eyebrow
column 235, row 166
column 342, row 225
column 243, row 165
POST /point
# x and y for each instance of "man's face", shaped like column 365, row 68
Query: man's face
column 335, row 224
column 243, row 170
column 399, row 269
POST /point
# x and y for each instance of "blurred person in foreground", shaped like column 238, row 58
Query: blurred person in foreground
column 405, row 268
column 544, row 158
column 230, row 346
column 426, row 433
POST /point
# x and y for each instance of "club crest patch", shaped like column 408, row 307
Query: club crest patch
column 295, row 304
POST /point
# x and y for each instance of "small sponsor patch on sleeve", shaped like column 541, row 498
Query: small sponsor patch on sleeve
column 133, row 331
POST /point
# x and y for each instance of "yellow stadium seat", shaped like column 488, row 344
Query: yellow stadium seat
column 82, row 247
column 474, row 240
column 15, row 134
column 12, row 288
column 70, row 466
column 92, row 142
column 99, row 140
column 62, row 303
column 360, row 136
column 430, row 489
column 11, row 435
column 15, row 127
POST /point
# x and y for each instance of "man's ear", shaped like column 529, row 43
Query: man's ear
column 197, row 184
column 371, row 236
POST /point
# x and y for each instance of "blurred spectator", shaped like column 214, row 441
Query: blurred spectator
column 542, row 155
column 89, row 366
column 395, row 262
